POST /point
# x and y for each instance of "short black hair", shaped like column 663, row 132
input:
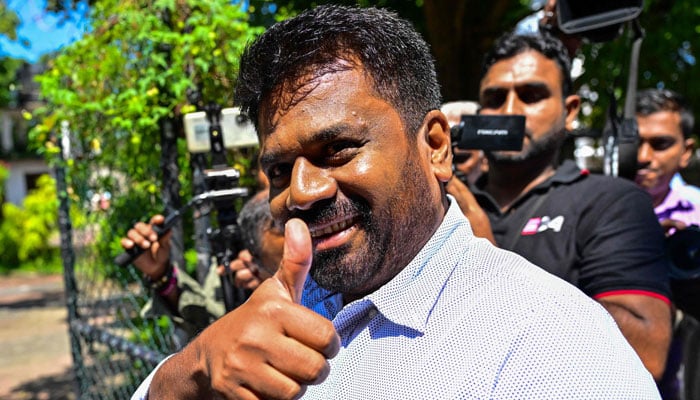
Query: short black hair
column 650, row 101
column 511, row 44
column 390, row 50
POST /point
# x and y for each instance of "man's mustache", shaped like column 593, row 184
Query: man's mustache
column 329, row 210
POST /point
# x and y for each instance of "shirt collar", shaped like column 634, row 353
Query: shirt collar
column 566, row 173
column 673, row 202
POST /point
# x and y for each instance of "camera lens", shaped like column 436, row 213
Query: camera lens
column 683, row 248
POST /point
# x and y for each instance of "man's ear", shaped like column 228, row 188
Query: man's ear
column 572, row 104
column 437, row 132
column 689, row 146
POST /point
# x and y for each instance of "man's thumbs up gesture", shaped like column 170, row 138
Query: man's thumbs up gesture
column 269, row 347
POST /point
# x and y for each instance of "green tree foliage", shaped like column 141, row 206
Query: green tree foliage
column 135, row 68
column 131, row 71
column 8, row 21
column 8, row 73
column 668, row 58
column 8, row 65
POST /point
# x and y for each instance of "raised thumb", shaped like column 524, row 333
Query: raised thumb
column 296, row 258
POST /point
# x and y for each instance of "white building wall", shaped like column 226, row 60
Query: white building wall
column 16, row 184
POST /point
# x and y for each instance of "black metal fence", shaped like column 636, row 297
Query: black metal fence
column 113, row 347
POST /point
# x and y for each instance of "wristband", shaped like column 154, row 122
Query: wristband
column 172, row 284
column 162, row 283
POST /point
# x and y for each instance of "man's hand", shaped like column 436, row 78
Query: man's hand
column 269, row 347
column 670, row 226
column 247, row 273
column 471, row 209
column 154, row 260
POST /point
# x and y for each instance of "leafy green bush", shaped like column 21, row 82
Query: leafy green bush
column 29, row 234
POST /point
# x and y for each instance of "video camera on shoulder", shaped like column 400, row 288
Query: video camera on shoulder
column 489, row 132
column 215, row 130
column 683, row 249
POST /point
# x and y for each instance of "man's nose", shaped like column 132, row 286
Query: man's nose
column 309, row 184
column 644, row 154
column 512, row 104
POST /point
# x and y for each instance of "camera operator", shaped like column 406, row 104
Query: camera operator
column 665, row 125
column 597, row 232
column 191, row 305
column 469, row 164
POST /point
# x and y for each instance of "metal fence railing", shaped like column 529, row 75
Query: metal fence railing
column 113, row 347
column 113, row 344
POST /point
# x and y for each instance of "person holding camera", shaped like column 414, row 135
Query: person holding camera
column 469, row 164
column 383, row 291
column 665, row 126
column 191, row 305
column 597, row 232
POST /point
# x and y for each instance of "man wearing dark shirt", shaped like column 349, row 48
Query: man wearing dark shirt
column 597, row 232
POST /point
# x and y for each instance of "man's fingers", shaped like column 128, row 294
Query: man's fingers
column 245, row 255
column 670, row 224
column 296, row 258
column 157, row 219
column 127, row 243
column 137, row 238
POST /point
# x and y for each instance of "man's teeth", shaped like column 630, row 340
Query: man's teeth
column 330, row 229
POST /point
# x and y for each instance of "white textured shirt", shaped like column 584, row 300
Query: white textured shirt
column 466, row 320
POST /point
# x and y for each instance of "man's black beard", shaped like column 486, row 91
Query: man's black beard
column 547, row 146
column 346, row 280
column 325, row 265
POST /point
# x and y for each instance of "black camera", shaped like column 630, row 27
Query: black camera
column 489, row 132
column 596, row 20
column 683, row 249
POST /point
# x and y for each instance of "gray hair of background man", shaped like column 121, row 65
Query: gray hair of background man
column 253, row 219
column 650, row 101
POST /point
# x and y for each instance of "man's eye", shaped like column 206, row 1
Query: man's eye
column 531, row 96
column 493, row 99
column 661, row 144
column 340, row 149
column 279, row 172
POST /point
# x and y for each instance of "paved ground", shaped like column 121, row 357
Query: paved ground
column 35, row 358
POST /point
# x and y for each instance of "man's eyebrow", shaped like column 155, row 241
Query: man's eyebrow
column 522, row 85
column 329, row 133
column 532, row 85
column 324, row 135
column 494, row 89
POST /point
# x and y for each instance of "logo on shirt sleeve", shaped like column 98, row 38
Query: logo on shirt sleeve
column 540, row 224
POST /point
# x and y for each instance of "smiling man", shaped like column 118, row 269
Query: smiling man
column 597, row 232
column 383, row 292
column 665, row 127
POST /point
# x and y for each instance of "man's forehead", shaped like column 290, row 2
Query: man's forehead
column 291, row 92
column 661, row 122
column 522, row 68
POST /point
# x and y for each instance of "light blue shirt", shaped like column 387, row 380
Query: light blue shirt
column 466, row 320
